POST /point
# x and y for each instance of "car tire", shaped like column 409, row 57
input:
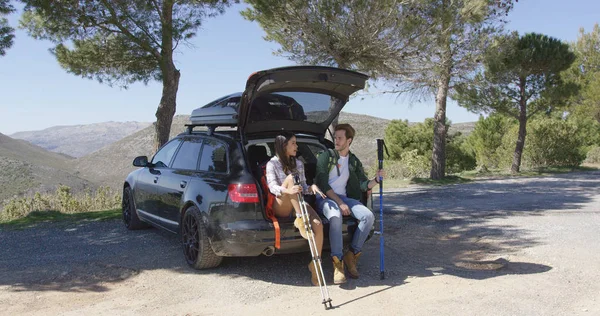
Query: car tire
column 130, row 217
column 196, row 246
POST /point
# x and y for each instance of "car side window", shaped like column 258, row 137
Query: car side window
column 188, row 154
column 164, row 155
column 214, row 157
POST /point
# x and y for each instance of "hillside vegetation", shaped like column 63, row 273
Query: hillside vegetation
column 26, row 168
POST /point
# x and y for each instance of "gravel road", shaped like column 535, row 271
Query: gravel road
column 527, row 246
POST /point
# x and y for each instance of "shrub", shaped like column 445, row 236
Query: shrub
column 459, row 155
column 486, row 140
column 412, row 165
column 63, row 201
column 553, row 142
column 413, row 146
column 593, row 155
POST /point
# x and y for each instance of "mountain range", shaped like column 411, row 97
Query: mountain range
column 80, row 140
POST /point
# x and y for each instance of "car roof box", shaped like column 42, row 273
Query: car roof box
column 212, row 116
column 221, row 112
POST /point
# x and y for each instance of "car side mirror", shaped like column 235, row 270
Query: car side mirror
column 140, row 161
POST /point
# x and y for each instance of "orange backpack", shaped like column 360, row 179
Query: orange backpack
column 269, row 200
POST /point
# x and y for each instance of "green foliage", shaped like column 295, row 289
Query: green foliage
column 531, row 63
column 400, row 137
column 53, row 216
column 415, row 165
column 588, row 131
column 459, row 156
column 506, row 150
column 486, row 140
column 62, row 201
column 553, row 142
column 585, row 71
column 550, row 142
column 6, row 32
column 412, row 165
column 593, row 156
column 412, row 146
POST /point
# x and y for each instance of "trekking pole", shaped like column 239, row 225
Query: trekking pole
column 380, row 146
column 314, row 251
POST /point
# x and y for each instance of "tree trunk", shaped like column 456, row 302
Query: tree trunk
column 334, row 103
column 438, row 158
column 170, row 78
column 168, row 104
column 516, row 164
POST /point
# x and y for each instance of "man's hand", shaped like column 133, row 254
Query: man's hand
column 380, row 174
column 345, row 209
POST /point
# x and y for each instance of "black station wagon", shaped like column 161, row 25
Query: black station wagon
column 205, row 183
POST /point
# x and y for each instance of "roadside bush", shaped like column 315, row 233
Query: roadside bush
column 553, row 142
column 486, row 140
column 588, row 131
column 413, row 146
column 459, row 155
column 400, row 138
column 593, row 156
column 63, row 201
column 412, row 165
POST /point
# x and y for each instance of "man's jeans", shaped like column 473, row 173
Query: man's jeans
column 332, row 211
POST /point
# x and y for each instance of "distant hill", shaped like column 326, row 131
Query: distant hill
column 111, row 164
column 26, row 168
column 80, row 140
column 368, row 130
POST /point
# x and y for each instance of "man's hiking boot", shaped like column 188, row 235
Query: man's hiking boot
column 338, row 271
column 314, row 278
column 351, row 262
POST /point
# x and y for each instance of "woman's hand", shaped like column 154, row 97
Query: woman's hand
column 294, row 190
column 316, row 190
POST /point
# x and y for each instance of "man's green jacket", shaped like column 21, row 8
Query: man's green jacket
column 358, row 181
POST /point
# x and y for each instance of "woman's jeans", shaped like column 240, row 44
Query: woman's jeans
column 332, row 211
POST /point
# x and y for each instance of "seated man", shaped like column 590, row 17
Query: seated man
column 342, row 178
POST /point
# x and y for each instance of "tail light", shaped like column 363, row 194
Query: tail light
column 243, row 193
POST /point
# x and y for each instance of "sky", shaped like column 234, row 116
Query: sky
column 36, row 93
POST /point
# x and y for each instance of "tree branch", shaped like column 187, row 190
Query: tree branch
column 146, row 46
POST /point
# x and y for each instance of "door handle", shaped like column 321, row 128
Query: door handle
column 182, row 184
column 155, row 179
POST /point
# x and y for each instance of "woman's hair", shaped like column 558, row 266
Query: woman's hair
column 288, row 162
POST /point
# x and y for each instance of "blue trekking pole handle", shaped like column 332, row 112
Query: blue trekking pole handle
column 380, row 146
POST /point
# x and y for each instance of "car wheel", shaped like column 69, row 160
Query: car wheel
column 130, row 217
column 196, row 246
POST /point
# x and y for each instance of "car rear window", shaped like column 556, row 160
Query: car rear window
column 297, row 106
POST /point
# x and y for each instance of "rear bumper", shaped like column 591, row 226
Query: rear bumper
column 251, row 237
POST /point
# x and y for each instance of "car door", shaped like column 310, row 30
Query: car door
column 175, row 180
column 212, row 179
column 146, row 193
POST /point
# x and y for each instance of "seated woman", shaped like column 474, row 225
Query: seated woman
column 280, row 178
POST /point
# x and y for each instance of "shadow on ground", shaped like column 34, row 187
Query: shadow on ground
column 428, row 231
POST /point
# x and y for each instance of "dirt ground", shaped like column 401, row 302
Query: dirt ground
column 526, row 246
